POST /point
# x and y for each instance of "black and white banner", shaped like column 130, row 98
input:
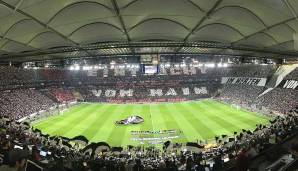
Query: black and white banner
column 289, row 84
column 244, row 80
column 169, row 92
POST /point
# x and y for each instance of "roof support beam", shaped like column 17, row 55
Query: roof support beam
column 280, row 43
column 217, row 3
column 203, row 19
column 45, row 57
column 170, row 45
column 265, row 29
column 25, row 44
column 291, row 9
column 197, row 6
column 2, row 37
column 291, row 28
column 41, row 23
column 116, row 9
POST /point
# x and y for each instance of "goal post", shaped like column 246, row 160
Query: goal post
column 235, row 106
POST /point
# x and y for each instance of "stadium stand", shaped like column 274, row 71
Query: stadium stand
column 238, row 94
column 279, row 100
column 243, row 148
column 61, row 95
column 16, row 104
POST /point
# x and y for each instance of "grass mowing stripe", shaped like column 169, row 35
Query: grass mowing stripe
column 59, row 118
column 127, row 134
column 234, row 115
column 74, row 120
column 93, row 126
column 214, row 112
column 96, row 130
column 198, row 124
column 167, row 118
column 187, row 128
column 151, row 118
column 51, row 126
column 171, row 122
column 120, row 129
column 147, row 125
column 244, row 111
column 230, row 126
column 89, row 119
column 96, row 124
column 157, row 121
column 211, row 115
column 242, row 114
column 108, row 126
column 203, row 113
column 103, row 128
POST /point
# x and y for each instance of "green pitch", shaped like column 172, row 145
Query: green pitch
column 195, row 120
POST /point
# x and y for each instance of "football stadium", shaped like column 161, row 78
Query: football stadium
column 148, row 85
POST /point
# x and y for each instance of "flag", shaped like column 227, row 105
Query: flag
column 194, row 147
column 80, row 139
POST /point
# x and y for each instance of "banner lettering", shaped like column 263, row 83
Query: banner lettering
column 244, row 80
column 290, row 84
column 121, row 93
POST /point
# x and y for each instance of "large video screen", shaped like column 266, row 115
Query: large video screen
column 150, row 69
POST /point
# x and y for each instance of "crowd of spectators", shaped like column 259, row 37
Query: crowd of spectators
column 278, row 100
column 11, row 76
column 132, row 78
column 19, row 103
column 292, row 75
column 61, row 95
column 240, row 94
column 243, row 70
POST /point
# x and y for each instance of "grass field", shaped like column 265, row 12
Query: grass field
column 195, row 120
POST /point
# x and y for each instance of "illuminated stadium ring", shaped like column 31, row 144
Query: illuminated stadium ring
column 130, row 120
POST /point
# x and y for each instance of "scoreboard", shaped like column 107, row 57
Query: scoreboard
column 151, row 69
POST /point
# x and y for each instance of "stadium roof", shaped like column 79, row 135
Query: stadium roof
column 49, row 29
